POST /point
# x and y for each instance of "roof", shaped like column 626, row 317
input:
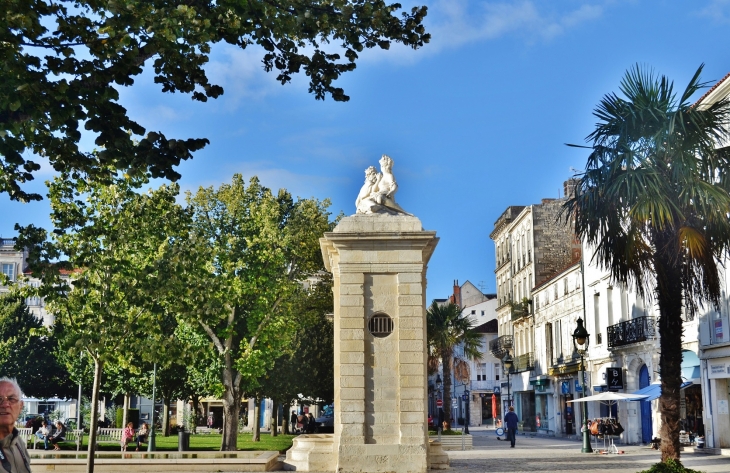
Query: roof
column 712, row 89
column 487, row 327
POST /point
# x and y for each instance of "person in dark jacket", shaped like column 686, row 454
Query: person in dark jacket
column 510, row 420
column 59, row 436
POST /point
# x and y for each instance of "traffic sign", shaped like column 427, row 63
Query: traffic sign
column 454, row 402
column 439, row 403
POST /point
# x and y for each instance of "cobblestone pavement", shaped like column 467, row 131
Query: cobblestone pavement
column 563, row 455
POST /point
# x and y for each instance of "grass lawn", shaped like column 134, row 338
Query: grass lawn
column 209, row 442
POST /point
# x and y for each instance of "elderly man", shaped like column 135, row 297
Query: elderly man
column 13, row 455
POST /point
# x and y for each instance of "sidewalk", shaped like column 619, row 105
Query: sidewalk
column 542, row 453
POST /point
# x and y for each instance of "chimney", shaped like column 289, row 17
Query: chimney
column 569, row 187
column 457, row 293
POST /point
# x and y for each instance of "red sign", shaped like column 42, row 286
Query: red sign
column 439, row 403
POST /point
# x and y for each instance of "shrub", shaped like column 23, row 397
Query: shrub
column 669, row 466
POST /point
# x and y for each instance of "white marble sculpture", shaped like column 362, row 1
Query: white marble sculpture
column 377, row 195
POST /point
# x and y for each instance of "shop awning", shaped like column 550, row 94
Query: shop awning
column 653, row 391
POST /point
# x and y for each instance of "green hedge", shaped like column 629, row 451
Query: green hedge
column 132, row 416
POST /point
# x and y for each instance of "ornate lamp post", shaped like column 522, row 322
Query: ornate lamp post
column 581, row 340
column 507, row 364
column 440, row 397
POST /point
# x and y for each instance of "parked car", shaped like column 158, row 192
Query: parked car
column 34, row 421
column 325, row 424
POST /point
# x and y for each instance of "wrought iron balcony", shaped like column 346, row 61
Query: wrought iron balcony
column 522, row 309
column 500, row 345
column 635, row 330
column 524, row 362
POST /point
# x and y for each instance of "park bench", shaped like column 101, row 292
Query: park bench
column 75, row 436
column 25, row 433
column 109, row 435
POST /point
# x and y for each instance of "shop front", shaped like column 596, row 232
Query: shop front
column 544, row 417
column 717, row 398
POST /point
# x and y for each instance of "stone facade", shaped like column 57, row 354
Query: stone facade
column 379, row 266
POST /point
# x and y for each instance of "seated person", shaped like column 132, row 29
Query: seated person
column 59, row 436
column 127, row 435
column 142, row 434
column 43, row 433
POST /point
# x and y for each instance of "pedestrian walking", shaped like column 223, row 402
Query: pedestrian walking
column 293, row 421
column 510, row 420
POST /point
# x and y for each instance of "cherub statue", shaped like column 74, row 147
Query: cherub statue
column 377, row 194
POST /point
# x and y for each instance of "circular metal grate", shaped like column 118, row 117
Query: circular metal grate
column 380, row 325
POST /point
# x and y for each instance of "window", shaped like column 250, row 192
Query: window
column 482, row 313
column 565, row 286
column 719, row 327
column 609, row 300
column 597, row 317
column 9, row 271
column 482, row 372
column 497, row 370
column 473, row 312
column 549, row 343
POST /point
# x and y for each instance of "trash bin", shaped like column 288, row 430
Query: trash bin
column 183, row 441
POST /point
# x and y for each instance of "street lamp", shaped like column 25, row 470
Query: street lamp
column 581, row 340
column 440, row 397
column 507, row 364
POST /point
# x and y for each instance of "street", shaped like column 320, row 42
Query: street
column 563, row 455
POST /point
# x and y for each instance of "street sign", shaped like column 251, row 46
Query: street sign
column 439, row 403
column 454, row 403
column 615, row 378
column 496, row 390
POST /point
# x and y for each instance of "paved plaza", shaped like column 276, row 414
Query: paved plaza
column 563, row 455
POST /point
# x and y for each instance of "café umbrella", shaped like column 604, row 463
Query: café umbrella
column 611, row 398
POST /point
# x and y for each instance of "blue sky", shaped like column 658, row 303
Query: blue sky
column 475, row 121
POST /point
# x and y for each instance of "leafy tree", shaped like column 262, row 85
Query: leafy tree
column 307, row 367
column 447, row 327
column 237, row 273
column 63, row 63
column 28, row 352
column 112, row 237
column 653, row 202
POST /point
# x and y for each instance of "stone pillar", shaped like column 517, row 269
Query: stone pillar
column 379, row 265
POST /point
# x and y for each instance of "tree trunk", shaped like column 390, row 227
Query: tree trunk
column 285, row 420
column 231, row 405
column 125, row 410
column 94, row 415
column 165, row 417
column 667, row 264
column 274, row 419
column 447, row 361
column 256, row 420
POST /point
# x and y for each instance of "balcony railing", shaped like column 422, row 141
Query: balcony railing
column 484, row 385
column 500, row 345
column 524, row 362
column 635, row 330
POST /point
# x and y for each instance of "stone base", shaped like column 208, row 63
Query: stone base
column 438, row 459
column 377, row 458
column 311, row 452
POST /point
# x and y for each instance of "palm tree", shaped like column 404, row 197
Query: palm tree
column 653, row 202
column 446, row 328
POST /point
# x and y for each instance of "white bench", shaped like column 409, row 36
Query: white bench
column 25, row 433
column 106, row 435
column 75, row 436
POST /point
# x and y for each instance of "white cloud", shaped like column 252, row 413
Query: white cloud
column 453, row 23
column 241, row 74
column 717, row 10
